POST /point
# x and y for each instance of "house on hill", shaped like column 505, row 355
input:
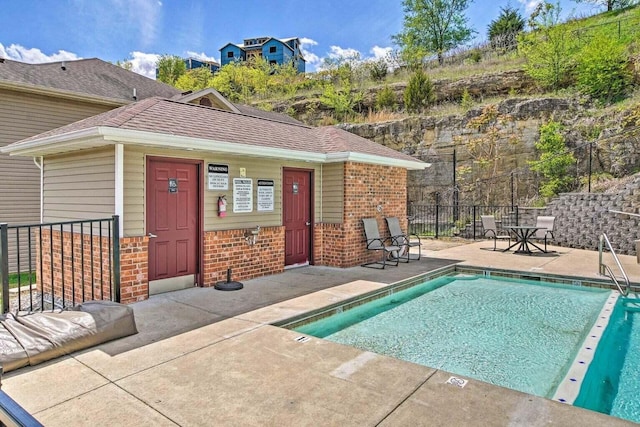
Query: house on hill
column 203, row 189
column 275, row 51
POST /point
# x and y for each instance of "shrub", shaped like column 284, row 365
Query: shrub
column 602, row 70
column 419, row 94
column 378, row 70
column 466, row 101
column 386, row 99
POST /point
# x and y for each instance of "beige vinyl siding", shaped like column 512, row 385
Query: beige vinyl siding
column 333, row 193
column 79, row 186
column 21, row 116
column 256, row 168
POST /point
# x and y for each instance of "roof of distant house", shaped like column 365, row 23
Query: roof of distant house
column 172, row 124
column 92, row 78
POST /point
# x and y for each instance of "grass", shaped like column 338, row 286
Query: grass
column 22, row 279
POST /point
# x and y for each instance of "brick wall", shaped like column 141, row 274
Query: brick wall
column 134, row 269
column 370, row 191
column 79, row 269
column 229, row 249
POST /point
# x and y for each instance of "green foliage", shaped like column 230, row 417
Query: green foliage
column 419, row 93
column 170, row 68
column 554, row 162
column 549, row 48
column 386, row 99
column 195, row 80
column 475, row 55
column 466, row 101
column 504, row 29
column 602, row 69
column 342, row 101
column 432, row 27
column 125, row 63
column 610, row 4
column 378, row 70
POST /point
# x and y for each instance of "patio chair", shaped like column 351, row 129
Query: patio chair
column 376, row 243
column 545, row 229
column 403, row 240
column 491, row 230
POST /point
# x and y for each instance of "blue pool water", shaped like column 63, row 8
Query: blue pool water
column 612, row 384
column 514, row 333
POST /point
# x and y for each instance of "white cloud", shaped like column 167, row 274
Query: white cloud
column 380, row 52
column 20, row 53
column 201, row 56
column 529, row 5
column 144, row 63
column 339, row 52
column 311, row 58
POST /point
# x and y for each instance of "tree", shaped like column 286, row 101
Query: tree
column 554, row 161
column 170, row 68
column 602, row 70
column 610, row 4
column 432, row 27
column 125, row 63
column 503, row 31
column 195, row 80
column 419, row 93
column 549, row 48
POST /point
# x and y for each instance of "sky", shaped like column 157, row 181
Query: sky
column 36, row 31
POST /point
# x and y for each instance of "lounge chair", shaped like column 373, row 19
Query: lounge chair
column 376, row 243
column 403, row 240
column 491, row 231
column 545, row 229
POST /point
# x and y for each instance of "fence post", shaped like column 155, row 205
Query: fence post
column 4, row 265
column 116, row 257
column 473, row 220
column 437, row 220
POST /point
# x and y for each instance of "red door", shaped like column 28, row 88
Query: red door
column 297, row 215
column 172, row 218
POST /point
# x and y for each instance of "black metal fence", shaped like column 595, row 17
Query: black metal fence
column 457, row 221
column 66, row 263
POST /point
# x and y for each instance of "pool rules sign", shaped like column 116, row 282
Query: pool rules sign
column 266, row 199
column 242, row 195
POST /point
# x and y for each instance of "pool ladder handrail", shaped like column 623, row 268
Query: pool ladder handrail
column 605, row 270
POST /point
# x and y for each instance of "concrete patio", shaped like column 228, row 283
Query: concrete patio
column 207, row 357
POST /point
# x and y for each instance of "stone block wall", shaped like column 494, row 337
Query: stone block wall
column 582, row 217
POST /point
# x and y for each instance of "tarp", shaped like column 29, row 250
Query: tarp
column 33, row 338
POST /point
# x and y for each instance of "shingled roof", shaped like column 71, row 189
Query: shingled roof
column 172, row 124
column 87, row 77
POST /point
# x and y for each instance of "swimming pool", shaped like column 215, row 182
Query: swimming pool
column 612, row 383
column 515, row 333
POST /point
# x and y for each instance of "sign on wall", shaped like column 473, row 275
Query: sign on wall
column 218, row 176
column 242, row 195
column 266, row 195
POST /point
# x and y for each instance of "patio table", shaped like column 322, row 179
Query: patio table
column 523, row 234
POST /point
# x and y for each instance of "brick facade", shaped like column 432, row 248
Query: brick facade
column 370, row 191
column 72, row 266
column 230, row 249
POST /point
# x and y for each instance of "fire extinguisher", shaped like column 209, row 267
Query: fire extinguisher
column 222, row 206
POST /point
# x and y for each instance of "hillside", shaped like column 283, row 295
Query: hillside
column 498, row 90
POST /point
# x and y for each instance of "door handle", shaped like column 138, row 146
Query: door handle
column 308, row 223
column 152, row 236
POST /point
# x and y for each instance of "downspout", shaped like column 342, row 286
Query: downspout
column 119, row 185
column 321, row 194
column 39, row 166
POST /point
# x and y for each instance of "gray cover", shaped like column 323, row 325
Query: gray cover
column 34, row 338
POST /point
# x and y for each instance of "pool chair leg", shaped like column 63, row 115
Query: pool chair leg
column 383, row 263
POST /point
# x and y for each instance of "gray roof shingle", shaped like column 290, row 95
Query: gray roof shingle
column 91, row 77
column 164, row 116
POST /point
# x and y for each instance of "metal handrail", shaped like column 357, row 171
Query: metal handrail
column 624, row 213
column 605, row 270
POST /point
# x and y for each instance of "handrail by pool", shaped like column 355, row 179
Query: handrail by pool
column 605, row 270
